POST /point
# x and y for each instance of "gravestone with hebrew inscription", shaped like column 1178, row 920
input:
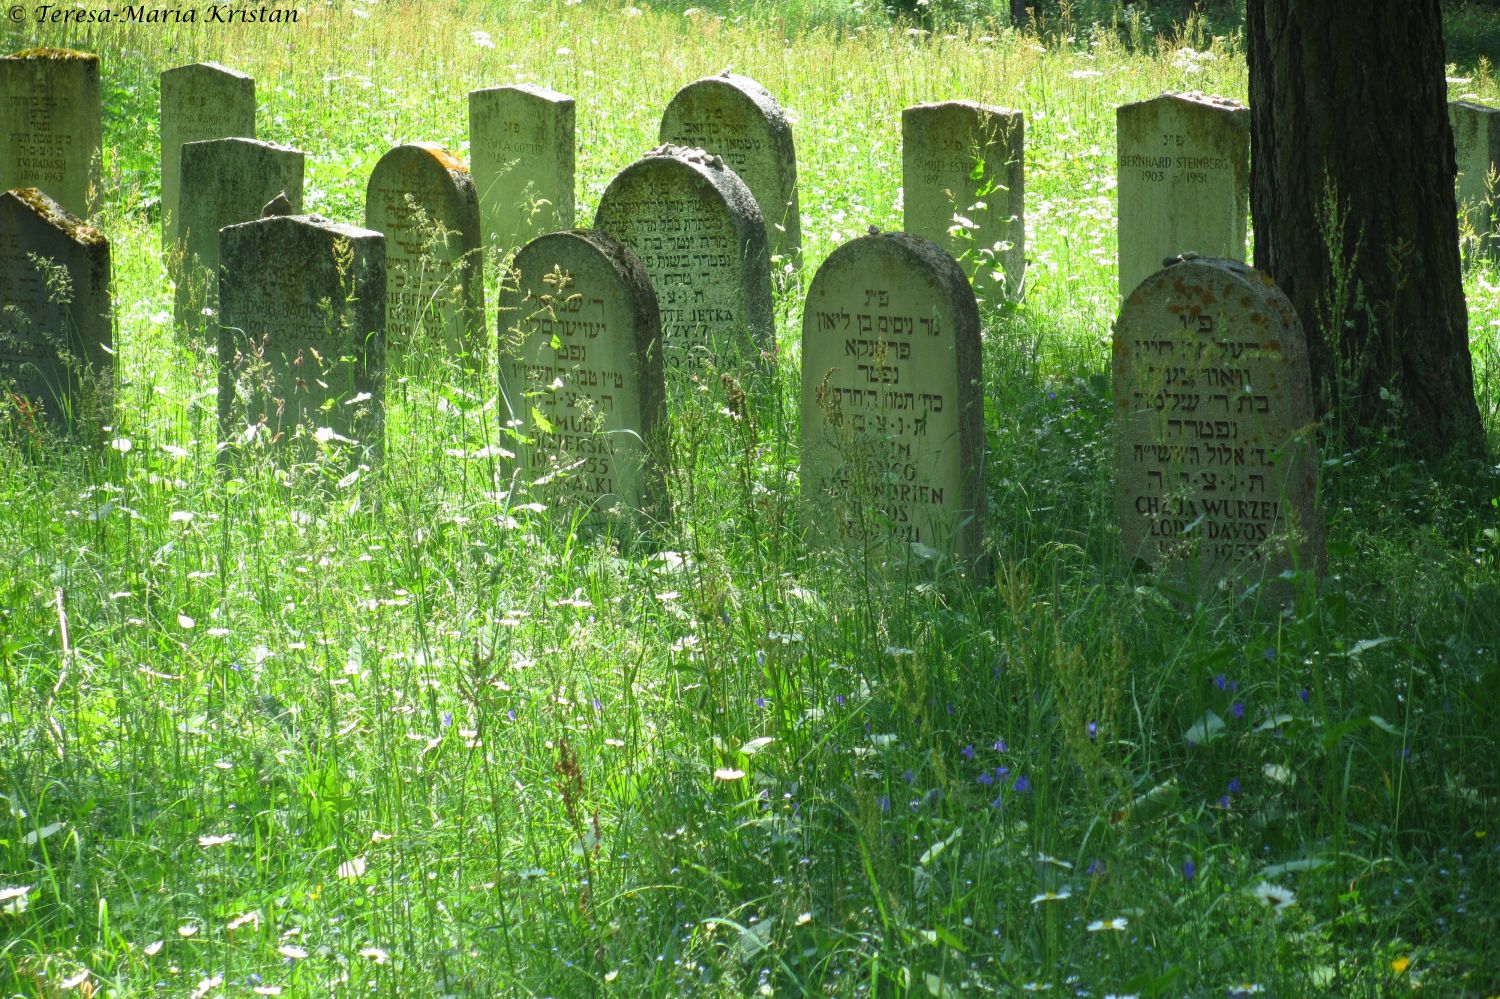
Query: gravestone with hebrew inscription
column 56, row 330
column 581, row 373
column 1183, row 172
column 736, row 118
column 302, row 336
column 521, row 147
column 224, row 182
column 201, row 101
column 698, row 232
column 1476, row 140
column 964, row 187
column 422, row 198
column 892, row 410
column 1217, row 471
column 51, row 131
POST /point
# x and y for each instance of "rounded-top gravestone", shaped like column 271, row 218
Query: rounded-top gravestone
column 51, row 128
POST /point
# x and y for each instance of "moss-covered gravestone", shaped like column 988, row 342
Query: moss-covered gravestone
column 198, row 102
column 521, row 147
column 1476, row 140
column 51, row 133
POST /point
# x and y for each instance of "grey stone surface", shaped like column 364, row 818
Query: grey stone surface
column 201, row 101
column 51, row 131
column 1476, row 140
column 521, row 147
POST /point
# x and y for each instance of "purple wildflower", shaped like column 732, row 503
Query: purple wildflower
column 967, row 752
column 1022, row 785
column 1189, row 869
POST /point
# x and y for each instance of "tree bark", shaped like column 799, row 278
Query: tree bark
column 1352, row 197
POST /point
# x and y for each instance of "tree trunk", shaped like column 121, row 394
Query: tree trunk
column 1355, row 215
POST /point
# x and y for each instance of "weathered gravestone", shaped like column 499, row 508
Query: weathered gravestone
column 422, row 198
column 50, row 126
column 201, row 101
column 56, row 330
column 1217, row 472
column 302, row 334
column 1476, row 139
column 521, row 141
column 892, row 409
column 224, row 182
column 1183, row 175
column 736, row 118
column 699, row 234
column 964, row 187
column 580, row 347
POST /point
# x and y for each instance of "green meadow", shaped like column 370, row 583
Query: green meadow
column 290, row 731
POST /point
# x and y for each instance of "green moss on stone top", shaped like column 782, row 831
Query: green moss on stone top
column 50, row 53
column 59, row 217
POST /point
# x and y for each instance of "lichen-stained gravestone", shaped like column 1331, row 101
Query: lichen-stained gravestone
column 1476, row 139
column 51, row 134
column 224, row 182
column 422, row 198
column 892, row 410
column 56, row 330
column 302, row 335
column 698, row 232
column 521, row 148
column 201, row 101
column 581, row 373
column 964, row 187
column 1183, row 172
column 736, row 118
column 1216, row 464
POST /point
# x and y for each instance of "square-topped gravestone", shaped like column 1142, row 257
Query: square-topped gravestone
column 698, row 232
column 55, row 335
column 736, row 118
column 201, row 101
column 51, row 134
column 422, row 198
column 963, row 175
column 892, row 408
column 1217, row 470
column 1183, row 174
column 580, row 346
column 1476, row 139
column 521, row 145
column 302, row 335
column 224, row 182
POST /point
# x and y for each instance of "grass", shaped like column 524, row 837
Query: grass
column 411, row 734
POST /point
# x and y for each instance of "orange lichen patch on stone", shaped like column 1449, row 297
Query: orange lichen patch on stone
column 51, row 53
column 447, row 159
column 59, row 217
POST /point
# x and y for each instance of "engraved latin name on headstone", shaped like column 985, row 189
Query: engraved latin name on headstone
column 1216, row 465
column 580, row 343
column 964, row 188
column 521, row 147
column 53, row 338
column 892, row 413
column 201, row 101
column 736, row 118
column 1183, row 174
column 1476, row 140
column 699, row 234
column 51, row 134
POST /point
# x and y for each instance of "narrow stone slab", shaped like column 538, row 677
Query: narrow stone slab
column 1217, row 468
column 1476, row 140
column 521, row 146
column 1184, row 181
column 198, row 102
column 736, row 118
column 302, row 335
column 55, row 342
column 51, row 133
column 964, row 187
column 698, row 232
column 422, row 198
column 580, row 346
column 892, row 407
column 224, row 182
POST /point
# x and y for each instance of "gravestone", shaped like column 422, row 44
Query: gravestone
column 1476, row 139
column 201, row 101
column 580, row 346
column 302, row 335
column 698, row 232
column 224, row 182
column 1214, row 426
column 422, row 198
column 964, row 187
column 736, row 118
column 892, row 409
column 521, row 148
column 1183, row 175
column 50, row 125
column 55, row 336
